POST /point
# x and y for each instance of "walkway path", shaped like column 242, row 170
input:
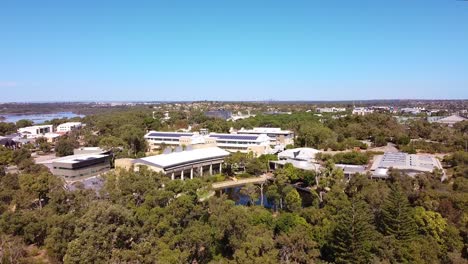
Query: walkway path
column 230, row 184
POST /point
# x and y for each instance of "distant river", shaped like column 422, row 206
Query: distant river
column 38, row 118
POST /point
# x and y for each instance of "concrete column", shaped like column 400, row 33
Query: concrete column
column 182, row 175
column 201, row 171
column 211, row 169
column 172, row 176
column 220, row 168
column 191, row 173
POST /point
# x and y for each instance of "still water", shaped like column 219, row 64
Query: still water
column 240, row 199
column 39, row 118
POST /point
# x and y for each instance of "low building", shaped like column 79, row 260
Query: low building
column 222, row 114
column 69, row 126
column 331, row 109
column 186, row 164
column 258, row 144
column 412, row 110
column 362, row 111
column 35, row 131
column 351, row 170
column 277, row 135
column 305, row 154
column 411, row 164
column 75, row 167
column 446, row 120
column 300, row 158
column 299, row 164
column 52, row 137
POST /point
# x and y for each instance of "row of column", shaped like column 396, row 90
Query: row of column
column 200, row 172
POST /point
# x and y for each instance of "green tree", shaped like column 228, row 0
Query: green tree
column 293, row 201
column 297, row 245
column 23, row 123
column 64, row 147
column 354, row 233
column 397, row 215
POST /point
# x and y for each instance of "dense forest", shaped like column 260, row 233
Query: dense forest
column 143, row 217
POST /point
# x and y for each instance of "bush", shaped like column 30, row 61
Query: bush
column 355, row 158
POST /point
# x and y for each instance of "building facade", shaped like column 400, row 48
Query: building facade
column 35, row 131
column 258, row 144
column 69, row 126
column 277, row 135
column 81, row 166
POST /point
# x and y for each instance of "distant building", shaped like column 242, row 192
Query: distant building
column 277, row 113
column 277, row 135
column 35, row 131
column 362, row 111
column 446, row 120
column 411, row 164
column 81, row 166
column 69, row 126
column 240, row 116
column 331, row 109
column 412, row 110
column 186, row 164
column 222, row 114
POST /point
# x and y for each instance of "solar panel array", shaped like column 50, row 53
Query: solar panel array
column 157, row 134
column 235, row 137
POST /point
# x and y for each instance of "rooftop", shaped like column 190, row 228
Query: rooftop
column 264, row 130
column 73, row 159
column 299, row 154
column 177, row 158
column 404, row 161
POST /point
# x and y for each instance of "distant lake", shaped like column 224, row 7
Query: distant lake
column 38, row 118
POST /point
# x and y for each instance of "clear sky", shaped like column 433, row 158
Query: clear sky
column 233, row 50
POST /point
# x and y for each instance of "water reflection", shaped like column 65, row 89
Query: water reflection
column 242, row 199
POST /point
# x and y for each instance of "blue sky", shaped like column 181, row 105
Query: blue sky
column 233, row 50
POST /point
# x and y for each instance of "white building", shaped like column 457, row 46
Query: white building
column 412, row 164
column 69, row 126
column 362, row 111
column 331, row 109
column 277, row 135
column 412, row 110
column 305, row 154
column 446, row 120
column 35, row 131
column 301, row 158
column 186, row 164
column 258, row 144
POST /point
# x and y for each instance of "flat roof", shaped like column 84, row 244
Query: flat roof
column 168, row 134
column 234, row 136
column 405, row 161
column 188, row 156
column 70, row 123
column 264, row 130
column 72, row 159
column 299, row 153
